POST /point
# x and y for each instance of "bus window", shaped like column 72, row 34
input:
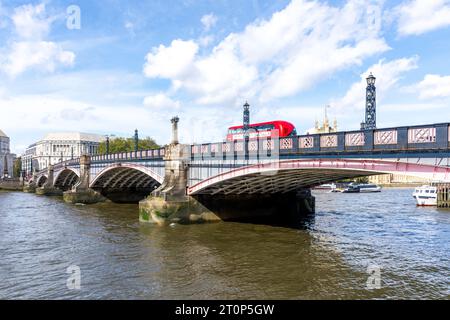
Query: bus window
column 265, row 127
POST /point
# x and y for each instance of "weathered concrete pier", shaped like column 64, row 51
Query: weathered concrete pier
column 48, row 188
column 170, row 203
column 30, row 186
column 81, row 191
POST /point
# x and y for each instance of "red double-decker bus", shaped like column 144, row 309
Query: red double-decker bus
column 271, row 129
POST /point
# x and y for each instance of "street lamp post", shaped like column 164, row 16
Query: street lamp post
column 246, row 124
column 246, row 117
column 175, row 121
column 107, row 144
column 136, row 140
column 371, row 104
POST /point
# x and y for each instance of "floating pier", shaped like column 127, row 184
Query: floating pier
column 443, row 195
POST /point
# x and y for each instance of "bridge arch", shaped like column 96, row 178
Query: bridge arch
column 66, row 179
column 126, row 183
column 290, row 175
column 41, row 181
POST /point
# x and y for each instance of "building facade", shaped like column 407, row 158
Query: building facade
column 325, row 127
column 6, row 157
column 397, row 179
column 58, row 147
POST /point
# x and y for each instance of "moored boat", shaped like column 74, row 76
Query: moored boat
column 366, row 187
column 425, row 195
column 351, row 189
column 328, row 186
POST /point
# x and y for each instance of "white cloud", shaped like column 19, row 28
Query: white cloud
column 29, row 50
column 219, row 77
column 433, row 86
column 387, row 73
column 31, row 22
column 313, row 41
column 205, row 41
column 296, row 48
column 170, row 62
column 209, row 21
column 161, row 101
column 42, row 55
column 416, row 17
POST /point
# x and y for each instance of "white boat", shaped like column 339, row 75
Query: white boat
column 425, row 195
column 365, row 187
column 351, row 189
column 328, row 186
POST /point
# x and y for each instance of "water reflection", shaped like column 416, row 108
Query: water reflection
column 300, row 222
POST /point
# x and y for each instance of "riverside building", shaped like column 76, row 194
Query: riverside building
column 58, row 147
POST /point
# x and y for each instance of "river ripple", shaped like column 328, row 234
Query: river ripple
column 121, row 258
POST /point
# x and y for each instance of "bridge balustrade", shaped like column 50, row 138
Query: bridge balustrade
column 400, row 139
column 142, row 154
column 134, row 155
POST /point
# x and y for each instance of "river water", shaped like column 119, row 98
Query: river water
column 357, row 246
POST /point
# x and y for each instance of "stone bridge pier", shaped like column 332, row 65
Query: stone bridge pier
column 81, row 192
column 170, row 203
column 48, row 189
column 30, row 186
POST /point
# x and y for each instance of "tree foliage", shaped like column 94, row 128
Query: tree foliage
column 17, row 167
column 356, row 180
column 118, row 145
column 362, row 180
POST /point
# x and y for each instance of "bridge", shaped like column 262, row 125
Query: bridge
column 248, row 178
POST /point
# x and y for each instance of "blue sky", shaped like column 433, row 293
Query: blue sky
column 135, row 64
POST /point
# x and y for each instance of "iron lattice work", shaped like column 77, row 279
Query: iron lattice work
column 371, row 104
column 246, row 117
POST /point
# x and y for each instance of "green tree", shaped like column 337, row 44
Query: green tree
column 362, row 180
column 17, row 167
column 117, row 145
column 357, row 180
